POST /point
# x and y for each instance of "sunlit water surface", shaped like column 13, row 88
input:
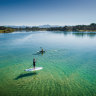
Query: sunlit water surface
column 69, row 64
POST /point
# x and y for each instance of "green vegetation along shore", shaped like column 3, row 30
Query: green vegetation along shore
column 6, row 29
column 77, row 28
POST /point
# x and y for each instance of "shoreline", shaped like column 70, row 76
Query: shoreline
column 83, row 31
column 77, row 28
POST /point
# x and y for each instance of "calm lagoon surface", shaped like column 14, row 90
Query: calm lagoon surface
column 69, row 64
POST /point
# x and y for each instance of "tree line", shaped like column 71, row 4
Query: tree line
column 78, row 28
column 4, row 29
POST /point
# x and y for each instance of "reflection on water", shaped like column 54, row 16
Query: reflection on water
column 82, row 34
column 79, row 34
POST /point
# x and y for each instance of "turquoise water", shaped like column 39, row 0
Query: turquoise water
column 69, row 64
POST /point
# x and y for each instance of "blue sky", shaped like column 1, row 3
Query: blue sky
column 53, row 12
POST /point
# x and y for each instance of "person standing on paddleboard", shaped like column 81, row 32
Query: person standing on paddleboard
column 34, row 61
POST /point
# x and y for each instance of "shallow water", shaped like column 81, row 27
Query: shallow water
column 69, row 64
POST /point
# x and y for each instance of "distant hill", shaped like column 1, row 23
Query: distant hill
column 40, row 26
column 47, row 26
column 13, row 26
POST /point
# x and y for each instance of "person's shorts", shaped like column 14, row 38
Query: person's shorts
column 34, row 64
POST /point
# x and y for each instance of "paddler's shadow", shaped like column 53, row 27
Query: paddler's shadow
column 25, row 75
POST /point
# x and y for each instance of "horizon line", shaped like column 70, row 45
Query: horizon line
column 48, row 25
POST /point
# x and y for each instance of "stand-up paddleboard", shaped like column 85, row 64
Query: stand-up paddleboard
column 41, row 51
column 32, row 69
